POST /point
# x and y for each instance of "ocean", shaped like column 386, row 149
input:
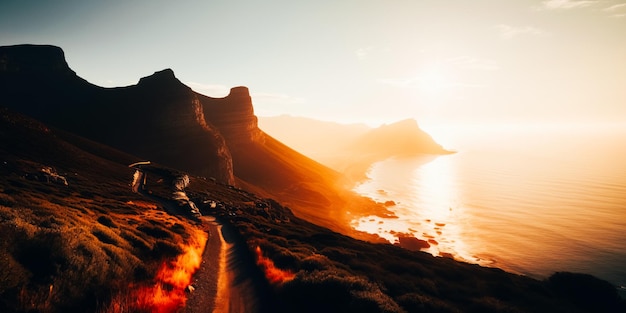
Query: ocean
column 530, row 200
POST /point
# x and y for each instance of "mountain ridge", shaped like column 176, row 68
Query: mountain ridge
column 165, row 121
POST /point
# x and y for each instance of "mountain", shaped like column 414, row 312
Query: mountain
column 397, row 139
column 351, row 148
column 162, row 120
column 77, row 239
column 158, row 119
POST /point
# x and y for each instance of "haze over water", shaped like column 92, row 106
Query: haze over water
column 530, row 200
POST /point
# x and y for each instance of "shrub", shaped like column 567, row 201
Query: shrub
column 6, row 200
column 413, row 302
column 155, row 232
column 105, row 236
column 589, row 292
column 164, row 249
column 333, row 291
column 106, row 221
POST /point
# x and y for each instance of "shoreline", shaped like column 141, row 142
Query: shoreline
column 376, row 222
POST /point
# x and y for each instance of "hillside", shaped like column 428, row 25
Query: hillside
column 77, row 239
column 74, row 236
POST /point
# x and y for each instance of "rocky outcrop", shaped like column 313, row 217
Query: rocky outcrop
column 234, row 116
column 29, row 59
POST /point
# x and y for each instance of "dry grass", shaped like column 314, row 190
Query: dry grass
column 63, row 257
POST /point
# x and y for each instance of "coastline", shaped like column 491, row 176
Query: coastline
column 466, row 236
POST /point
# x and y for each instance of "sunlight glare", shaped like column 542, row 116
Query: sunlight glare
column 427, row 204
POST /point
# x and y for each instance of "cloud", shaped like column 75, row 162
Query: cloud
column 566, row 4
column 509, row 32
column 618, row 10
column 615, row 7
column 363, row 53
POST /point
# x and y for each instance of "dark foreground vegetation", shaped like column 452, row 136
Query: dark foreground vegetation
column 74, row 238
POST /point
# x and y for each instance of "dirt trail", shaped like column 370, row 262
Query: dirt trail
column 205, row 281
column 216, row 285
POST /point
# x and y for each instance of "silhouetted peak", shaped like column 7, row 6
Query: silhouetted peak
column 399, row 138
column 239, row 92
column 161, row 78
column 27, row 59
column 166, row 73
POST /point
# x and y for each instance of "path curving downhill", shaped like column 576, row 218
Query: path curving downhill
column 209, row 290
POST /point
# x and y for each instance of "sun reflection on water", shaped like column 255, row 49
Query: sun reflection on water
column 431, row 211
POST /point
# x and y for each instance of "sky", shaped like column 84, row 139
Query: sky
column 372, row 61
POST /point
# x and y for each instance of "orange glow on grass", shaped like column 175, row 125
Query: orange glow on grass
column 142, row 204
column 172, row 279
column 273, row 274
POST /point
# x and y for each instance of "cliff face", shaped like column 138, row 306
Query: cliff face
column 234, row 116
column 159, row 119
column 168, row 116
